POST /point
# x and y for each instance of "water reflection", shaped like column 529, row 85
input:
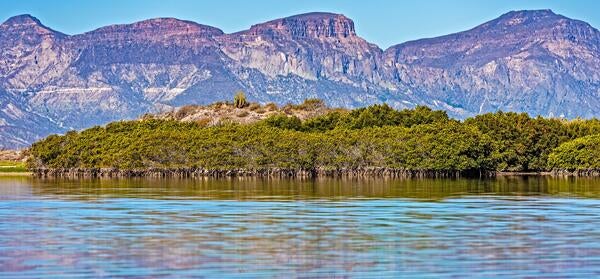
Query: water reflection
column 298, row 189
column 293, row 228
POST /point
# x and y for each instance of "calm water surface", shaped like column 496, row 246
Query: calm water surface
column 248, row 228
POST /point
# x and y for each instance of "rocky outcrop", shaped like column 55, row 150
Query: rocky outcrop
column 532, row 61
column 312, row 46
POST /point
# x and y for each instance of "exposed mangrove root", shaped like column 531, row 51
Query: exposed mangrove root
column 282, row 173
column 273, row 172
column 587, row 172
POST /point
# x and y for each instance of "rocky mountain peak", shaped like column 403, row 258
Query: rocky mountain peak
column 515, row 17
column 535, row 20
column 510, row 34
column 538, row 25
column 24, row 19
column 23, row 24
column 533, row 61
column 310, row 25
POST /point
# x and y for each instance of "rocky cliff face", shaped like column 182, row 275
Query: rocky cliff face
column 532, row 61
column 312, row 46
column 315, row 55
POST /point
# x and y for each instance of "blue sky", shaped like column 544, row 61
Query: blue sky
column 382, row 22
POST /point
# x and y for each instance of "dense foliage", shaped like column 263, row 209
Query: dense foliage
column 579, row 154
column 373, row 116
column 376, row 136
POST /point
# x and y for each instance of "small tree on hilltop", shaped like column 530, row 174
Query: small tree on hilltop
column 239, row 101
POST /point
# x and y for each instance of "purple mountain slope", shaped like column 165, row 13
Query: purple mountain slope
column 532, row 61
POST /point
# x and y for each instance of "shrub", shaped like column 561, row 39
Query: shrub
column 203, row 122
column 239, row 100
column 284, row 122
column 311, row 104
column 271, row 106
column 185, row 111
column 254, row 106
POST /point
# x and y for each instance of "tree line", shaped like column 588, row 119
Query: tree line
column 377, row 136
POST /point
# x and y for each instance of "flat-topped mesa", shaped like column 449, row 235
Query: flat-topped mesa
column 310, row 25
column 312, row 46
column 154, row 30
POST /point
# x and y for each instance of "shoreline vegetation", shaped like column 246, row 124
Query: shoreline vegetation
column 12, row 162
column 310, row 140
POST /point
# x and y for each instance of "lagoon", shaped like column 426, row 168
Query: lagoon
column 513, row 226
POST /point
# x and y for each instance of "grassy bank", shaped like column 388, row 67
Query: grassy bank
column 13, row 167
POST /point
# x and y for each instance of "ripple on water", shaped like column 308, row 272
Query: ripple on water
column 323, row 228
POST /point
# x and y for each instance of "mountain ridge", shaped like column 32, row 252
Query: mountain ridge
column 527, row 61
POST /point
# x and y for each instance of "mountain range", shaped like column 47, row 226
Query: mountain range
column 536, row 61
